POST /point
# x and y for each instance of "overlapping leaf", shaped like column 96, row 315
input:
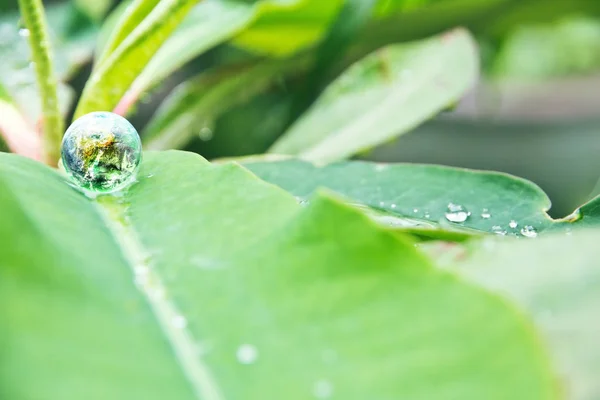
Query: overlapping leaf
column 492, row 202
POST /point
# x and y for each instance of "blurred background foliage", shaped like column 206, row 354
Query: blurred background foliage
column 533, row 113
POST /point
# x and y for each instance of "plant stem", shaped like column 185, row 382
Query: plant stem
column 34, row 19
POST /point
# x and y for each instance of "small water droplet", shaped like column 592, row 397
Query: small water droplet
column 485, row 214
column 380, row 167
column 498, row 230
column 415, row 210
column 427, row 215
column 322, row 389
column 529, row 231
column 393, row 206
column 179, row 322
column 149, row 175
column 513, row 224
column 205, row 134
column 24, row 32
column 247, row 354
column 456, row 213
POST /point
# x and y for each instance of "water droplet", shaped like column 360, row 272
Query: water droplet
column 427, row 215
column 149, row 175
column 205, row 134
column 380, row 167
column 101, row 152
column 485, row 214
column 24, row 32
column 457, row 213
column 322, row 389
column 179, row 322
column 247, row 354
column 513, row 224
column 498, row 230
column 529, row 231
column 393, row 206
column 415, row 210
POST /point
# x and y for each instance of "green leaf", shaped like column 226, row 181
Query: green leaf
column 208, row 24
column 112, row 76
column 424, row 192
column 282, row 27
column 126, row 17
column 236, row 283
column 566, row 48
column 555, row 279
column 197, row 103
column 382, row 96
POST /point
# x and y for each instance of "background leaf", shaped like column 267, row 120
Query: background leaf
column 287, row 291
column 193, row 107
column 112, row 77
column 282, row 27
column 555, row 279
column 382, row 96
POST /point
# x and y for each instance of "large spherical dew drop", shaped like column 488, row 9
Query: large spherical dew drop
column 101, row 152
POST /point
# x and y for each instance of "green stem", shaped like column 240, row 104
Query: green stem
column 34, row 19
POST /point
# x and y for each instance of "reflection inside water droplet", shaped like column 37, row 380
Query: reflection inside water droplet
column 247, row 354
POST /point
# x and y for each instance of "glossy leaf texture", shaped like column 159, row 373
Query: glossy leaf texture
column 446, row 197
column 114, row 74
column 383, row 96
column 208, row 285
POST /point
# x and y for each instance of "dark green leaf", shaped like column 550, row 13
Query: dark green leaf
column 495, row 202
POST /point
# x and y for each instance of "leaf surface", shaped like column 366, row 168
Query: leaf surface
column 495, row 202
column 235, row 283
column 383, row 96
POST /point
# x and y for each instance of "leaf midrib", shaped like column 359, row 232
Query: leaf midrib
column 150, row 284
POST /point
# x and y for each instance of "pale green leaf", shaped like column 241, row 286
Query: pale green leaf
column 556, row 280
column 236, row 284
column 383, row 96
